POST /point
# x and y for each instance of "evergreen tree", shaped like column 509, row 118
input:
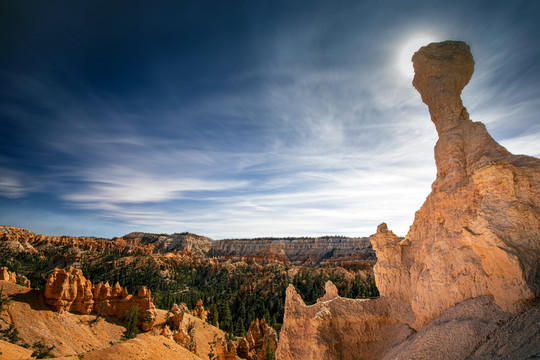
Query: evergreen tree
column 240, row 329
column 132, row 317
column 213, row 315
column 269, row 353
column 226, row 317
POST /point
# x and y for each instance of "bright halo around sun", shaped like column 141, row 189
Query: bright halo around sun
column 408, row 48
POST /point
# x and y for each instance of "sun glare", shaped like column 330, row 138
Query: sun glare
column 408, row 48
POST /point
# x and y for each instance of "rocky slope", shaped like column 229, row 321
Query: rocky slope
column 92, row 336
column 476, row 235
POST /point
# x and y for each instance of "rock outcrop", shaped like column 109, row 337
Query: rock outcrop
column 225, row 350
column 13, row 277
column 177, row 316
column 338, row 328
column 477, row 235
column 68, row 290
column 260, row 337
column 199, row 311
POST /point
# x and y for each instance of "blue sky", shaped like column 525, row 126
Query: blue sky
column 242, row 118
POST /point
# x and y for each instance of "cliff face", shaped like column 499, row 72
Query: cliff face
column 477, row 234
column 196, row 244
column 297, row 251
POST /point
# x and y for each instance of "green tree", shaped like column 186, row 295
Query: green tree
column 226, row 317
column 213, row 315
column 240, row 330
column 269, row 353
column 4, row 300
column 132, row 317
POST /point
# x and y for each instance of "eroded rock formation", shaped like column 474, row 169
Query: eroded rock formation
column 259, row 337
column 13, row 277
column 69, row 290
column 477, row 234
column 225, row 350
column 338, row 328
column 199, row 311
column 177, row 315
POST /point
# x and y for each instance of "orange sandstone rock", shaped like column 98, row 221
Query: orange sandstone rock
column 12, row 277
column 68, row 290
column 258, row 337
column 199, row 311
column 177, row 316
column 225, row 350
column 477, row 234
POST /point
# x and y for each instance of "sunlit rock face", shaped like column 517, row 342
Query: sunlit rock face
column 338, row 328
column 69, row 290
column 476, row 235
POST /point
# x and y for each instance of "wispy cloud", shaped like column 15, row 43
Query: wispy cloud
column 318, row 133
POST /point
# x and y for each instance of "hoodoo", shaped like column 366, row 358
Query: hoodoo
column 472, row 255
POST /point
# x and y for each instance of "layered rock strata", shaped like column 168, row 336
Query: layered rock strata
column 163, row 243
column 295, row 250
column 69, row 290
column 476, row 235
column 336, row 250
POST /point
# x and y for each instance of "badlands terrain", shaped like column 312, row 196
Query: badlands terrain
column 464, row 283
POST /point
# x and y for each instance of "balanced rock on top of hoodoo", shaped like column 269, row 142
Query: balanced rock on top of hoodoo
column 477, row 236
column 478, row 232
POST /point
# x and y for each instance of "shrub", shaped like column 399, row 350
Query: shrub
column 42, row 351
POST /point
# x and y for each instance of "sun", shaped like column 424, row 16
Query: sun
column 408, row 47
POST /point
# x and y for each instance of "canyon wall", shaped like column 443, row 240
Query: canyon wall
column 297, row 250
column 329, row 249
column 18, row 239
column 477, row 234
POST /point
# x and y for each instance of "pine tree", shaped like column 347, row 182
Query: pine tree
column 132, row 317
column 213, row 315
column 269, row 353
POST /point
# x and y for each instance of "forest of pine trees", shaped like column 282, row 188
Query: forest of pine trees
column 234, row 298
